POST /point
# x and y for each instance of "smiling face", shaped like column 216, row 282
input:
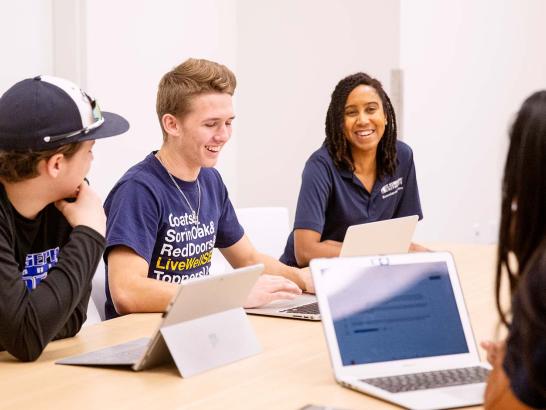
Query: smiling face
column 205, row 129
column 364, row 119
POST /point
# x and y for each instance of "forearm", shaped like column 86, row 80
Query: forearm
column 498, row 393
column 76, row 319
column 142, row 294
column 274, row 267
column 30, row 320
column 309, row 250
column 243, row 254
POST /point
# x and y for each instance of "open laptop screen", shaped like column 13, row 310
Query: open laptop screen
column 394, row 312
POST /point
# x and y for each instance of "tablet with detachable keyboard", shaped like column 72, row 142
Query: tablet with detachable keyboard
column 397, row 328
column 204, row 327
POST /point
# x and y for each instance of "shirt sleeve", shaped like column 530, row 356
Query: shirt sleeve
column 77, row 318
column 410, row 203
column 229, row 230
column 31, row 319
column 133, row 214
column 528, row 379
column 315, row 191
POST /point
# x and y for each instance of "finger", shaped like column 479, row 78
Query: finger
column 280, row 282
column 272, row 278
column 310, row 288
column 287, row 286
column 61, row 205
column 490, row 351
column 83, row 187
column 280, row 296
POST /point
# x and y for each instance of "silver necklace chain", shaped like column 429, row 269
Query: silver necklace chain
column 182, row 192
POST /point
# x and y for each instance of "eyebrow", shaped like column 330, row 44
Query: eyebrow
column 368, row 103
column 217, row 118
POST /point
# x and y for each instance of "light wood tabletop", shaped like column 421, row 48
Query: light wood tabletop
column 293, row 370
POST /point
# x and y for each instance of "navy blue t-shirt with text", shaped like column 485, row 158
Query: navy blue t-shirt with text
column 147, row 213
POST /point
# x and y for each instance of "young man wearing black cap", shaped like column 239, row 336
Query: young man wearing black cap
column 52, row 225
column 168, row 212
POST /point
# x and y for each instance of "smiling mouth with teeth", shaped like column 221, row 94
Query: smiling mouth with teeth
column 364, row 133
column 213, row 148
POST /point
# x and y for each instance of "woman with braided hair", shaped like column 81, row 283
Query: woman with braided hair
column 360, row 174
column 518, row 378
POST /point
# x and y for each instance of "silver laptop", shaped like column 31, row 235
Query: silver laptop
column 204, row 327
column 301, row 307
column 374, row 238
column 381, row 237
column 397, row 328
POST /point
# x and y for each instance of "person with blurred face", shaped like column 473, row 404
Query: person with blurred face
column 360, row 174
column 518, row 378
column 167, row 213
column 52, row 224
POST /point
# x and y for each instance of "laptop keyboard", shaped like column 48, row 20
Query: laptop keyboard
column 129, row 355
column 430, row 380
column 310, row 309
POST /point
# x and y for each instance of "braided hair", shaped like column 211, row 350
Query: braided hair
column 523, row 230
column 335, row 141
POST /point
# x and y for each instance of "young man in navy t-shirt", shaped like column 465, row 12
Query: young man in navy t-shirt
column 169, row 211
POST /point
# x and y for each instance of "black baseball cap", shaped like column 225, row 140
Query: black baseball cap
column 46, row 112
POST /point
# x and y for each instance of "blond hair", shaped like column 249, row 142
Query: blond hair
column 187, row 80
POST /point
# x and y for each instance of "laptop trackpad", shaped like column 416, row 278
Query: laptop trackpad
column 470, row 392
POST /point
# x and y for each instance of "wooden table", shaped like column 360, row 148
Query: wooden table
column 293, row 370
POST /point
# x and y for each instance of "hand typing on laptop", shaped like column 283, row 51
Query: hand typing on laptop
column 269, row 288
column 294, row 305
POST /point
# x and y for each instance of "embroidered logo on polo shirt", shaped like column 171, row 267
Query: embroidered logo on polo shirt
column 392, row 188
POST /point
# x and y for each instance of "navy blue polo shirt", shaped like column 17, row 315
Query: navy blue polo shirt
column 332, row 199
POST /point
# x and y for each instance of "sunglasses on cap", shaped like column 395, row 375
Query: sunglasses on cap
column 97, row 116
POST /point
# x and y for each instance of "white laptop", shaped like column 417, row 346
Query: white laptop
column 397, row 328
column 374, row 238
column 204, row 327
column 381, row 237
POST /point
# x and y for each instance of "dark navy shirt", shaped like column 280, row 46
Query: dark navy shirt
column 332, row 199
column 529, row 388
column 148, row 214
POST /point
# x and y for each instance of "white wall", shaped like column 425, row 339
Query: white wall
column 291, row 54
column 27, row 41
column 130, row 45
column 468, row 65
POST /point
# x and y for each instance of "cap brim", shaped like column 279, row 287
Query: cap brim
column 113, row 125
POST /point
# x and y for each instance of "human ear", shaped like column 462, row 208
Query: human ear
column 52, row 166
column 170, row 124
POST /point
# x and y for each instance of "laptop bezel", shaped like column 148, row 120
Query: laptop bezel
column 381, row 237
column 397, row 367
